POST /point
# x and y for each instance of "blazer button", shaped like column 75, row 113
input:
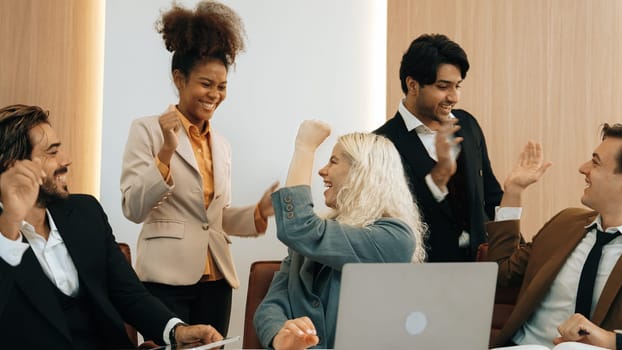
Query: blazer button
column 289, row 207
column 481, row 173
column 290, row 215
column 205, row 226
column 316, row 303
column 287, row 199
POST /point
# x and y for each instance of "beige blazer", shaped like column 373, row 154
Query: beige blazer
column 535, row 266
column 177, row 229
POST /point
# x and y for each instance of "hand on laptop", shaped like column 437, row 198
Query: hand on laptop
column 296, row 334
column 579, row 329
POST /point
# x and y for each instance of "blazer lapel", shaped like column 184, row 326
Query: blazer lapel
column 467, row 149
column 471, row 166
column 220, row 164
column 37, row 287
column 609, row 293
column 74, row 231
column 184, row 149
column 542, row 280
column 416, row 157
column 411, row 148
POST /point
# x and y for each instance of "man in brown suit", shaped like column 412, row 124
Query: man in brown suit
column 549, row 269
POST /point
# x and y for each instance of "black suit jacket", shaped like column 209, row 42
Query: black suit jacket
column 30, row 314
column 483, row 191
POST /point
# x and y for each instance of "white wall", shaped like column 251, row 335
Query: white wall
column 321, row 59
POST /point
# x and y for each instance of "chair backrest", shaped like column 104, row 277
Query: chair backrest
column 259, row 279
column 131, row 331
column 505, row 298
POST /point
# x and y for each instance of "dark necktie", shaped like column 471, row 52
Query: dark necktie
column 588, row 274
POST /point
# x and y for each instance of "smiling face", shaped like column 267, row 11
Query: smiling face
column 603, row 182
column 202, row 91
column 434, row 102
column 54, row 162
column 334, row 175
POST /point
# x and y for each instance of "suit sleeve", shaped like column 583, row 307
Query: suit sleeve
column 504, row 247
column 332, row 243
column 142, row 185
column 128, row 295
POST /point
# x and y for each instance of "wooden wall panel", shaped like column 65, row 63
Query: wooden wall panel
column 546, row 70
column 51, row 55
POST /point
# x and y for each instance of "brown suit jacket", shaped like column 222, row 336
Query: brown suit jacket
column 535, row 265
column 177, row 229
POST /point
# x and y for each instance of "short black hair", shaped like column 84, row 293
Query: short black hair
column 425, row 54
column 615, row 131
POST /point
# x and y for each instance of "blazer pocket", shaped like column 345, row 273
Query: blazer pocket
column 164, row 229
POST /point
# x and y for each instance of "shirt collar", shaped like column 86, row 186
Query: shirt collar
column 597, row 223
column 412, row 122
column 31, row 235
column 191, row 129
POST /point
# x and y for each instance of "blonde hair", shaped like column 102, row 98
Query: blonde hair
column 376, row 187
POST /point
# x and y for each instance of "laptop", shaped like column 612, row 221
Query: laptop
column 416, row 306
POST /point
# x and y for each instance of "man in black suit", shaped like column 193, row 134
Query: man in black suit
column 443, row 149
column 64, row 283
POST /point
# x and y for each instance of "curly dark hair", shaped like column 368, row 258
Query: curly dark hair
column 212, row 31
column 15, row 124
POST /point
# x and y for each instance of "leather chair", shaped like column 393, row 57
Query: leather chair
column 259, row 279
column 505, row 298
column 131, row 332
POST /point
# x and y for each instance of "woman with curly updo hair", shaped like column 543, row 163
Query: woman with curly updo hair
column 176, row 175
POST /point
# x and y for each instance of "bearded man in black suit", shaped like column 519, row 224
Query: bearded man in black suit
column 64, row 283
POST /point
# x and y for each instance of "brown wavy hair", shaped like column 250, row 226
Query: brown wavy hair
column 15, row 124
column 212, row 31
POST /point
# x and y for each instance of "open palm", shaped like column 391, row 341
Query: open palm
column 530, row 167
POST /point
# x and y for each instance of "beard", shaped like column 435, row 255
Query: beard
column 49, row 191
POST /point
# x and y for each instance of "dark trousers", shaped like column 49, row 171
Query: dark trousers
column 203, row 302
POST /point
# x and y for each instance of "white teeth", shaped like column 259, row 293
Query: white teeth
column 208, row 106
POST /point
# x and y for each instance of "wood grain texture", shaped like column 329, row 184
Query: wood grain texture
column 51, row 54
column 545, row 70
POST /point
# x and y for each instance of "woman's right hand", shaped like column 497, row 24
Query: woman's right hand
column 296, row 334
column 311, row 134
column 169, row 124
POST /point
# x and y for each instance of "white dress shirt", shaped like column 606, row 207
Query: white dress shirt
column 52, row 255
